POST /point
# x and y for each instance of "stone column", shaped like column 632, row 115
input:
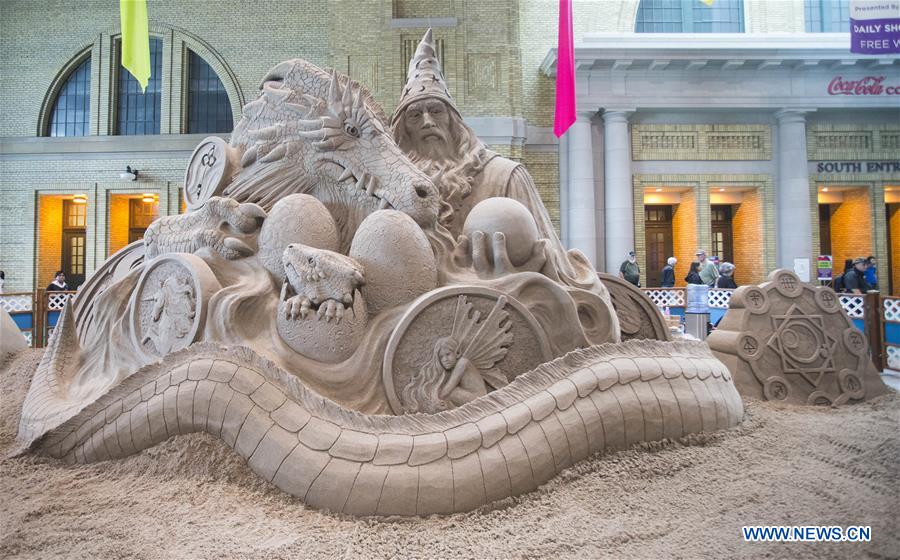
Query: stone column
column 580, row 207
column 792, row 201
column 619, row 211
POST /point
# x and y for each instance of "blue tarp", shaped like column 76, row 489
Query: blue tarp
column 23, row 320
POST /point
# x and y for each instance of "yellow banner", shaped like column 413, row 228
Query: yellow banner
column 135, row 40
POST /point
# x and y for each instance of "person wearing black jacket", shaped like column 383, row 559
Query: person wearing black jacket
column 59, row 282
column 693, row 276
column 668, row 274
column 726, row 278
column 855, row 278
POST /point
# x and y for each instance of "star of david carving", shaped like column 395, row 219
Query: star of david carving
column 785, row 340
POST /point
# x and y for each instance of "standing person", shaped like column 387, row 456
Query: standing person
column 872, row 272
column 838, row 283
column 2, row 280
column 855, row 278
column 630, row 271
column 59, row 283
column 693, row 275
column 708, row 270
column 668, row 274
column 726, row 280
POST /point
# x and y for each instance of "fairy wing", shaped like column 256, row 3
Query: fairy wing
column 490, row 339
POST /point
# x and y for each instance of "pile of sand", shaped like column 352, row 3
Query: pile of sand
column 192, row 497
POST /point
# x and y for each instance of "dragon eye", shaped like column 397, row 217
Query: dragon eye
column 310, row 260
column 351, row 130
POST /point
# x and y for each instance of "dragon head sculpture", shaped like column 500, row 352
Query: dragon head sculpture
column 316, row 132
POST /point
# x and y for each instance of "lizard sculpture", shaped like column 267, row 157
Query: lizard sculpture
column 322, row 281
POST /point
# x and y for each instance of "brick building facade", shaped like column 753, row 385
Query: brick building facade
column 498, row 57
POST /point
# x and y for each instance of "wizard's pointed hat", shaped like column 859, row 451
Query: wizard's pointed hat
column 424, row 78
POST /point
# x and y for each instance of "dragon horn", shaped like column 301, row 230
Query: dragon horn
column 334, row 90
column 347, row 99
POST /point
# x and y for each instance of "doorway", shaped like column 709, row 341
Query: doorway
column 722, row 232
column 824, row 229
column 73, row 242
column 658, row 241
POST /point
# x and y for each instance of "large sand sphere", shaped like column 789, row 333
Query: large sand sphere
column 510, row 217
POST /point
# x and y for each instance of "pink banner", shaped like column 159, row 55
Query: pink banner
column 565, row 72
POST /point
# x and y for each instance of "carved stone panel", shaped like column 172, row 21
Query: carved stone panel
column 168, row 306
column 483, row 73
column 496, row 333
column 788, row 341
column 209, row 171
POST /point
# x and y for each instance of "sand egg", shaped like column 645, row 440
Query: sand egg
column 298, row 218
column 397, row 258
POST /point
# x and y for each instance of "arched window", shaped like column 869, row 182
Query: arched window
column 139, row 112
column 827, row 16
column 208, row 106
column 71, row 113
column 690, row 16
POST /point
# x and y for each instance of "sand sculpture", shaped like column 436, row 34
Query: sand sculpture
column 313, row 311
column 785, row 340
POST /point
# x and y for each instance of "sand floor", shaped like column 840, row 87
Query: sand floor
column 191, row 497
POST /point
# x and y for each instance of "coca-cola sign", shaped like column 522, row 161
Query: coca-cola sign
column 870, row 85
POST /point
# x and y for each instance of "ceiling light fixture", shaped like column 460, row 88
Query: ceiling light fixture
column 721, row 190
column 79, row 199
column 148, row 197
column 658, row 190
column 824, row 189
column 129, row 174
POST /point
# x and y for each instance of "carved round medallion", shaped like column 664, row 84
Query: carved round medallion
column 749, row 347
column 168, row 306
column 755, row 300
column 209, row 171
column 851, row 384
column 457, row 343
column 818, row 398
column 787, row 283
column 776, row 389
column 855, row 341
column 827, row 300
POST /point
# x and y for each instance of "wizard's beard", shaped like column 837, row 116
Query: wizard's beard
column 445, row 162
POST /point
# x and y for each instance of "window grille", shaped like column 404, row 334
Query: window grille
column 827, row 16
column 690, row 16
column 139, row 112
column 208, row 108
column 71, row 113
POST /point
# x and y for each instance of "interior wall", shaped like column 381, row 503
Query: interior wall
column 749, row 239
column 118, row 222
column 851, row 227
column 49, row 248
column 684, row 234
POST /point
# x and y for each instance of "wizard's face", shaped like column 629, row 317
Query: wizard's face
column 427, row 123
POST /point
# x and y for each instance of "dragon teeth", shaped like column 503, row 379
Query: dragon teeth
column 345, row 175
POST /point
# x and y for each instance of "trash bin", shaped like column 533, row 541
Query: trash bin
column 696, row 311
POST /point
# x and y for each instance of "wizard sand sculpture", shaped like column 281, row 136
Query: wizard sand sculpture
column 371, row 338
